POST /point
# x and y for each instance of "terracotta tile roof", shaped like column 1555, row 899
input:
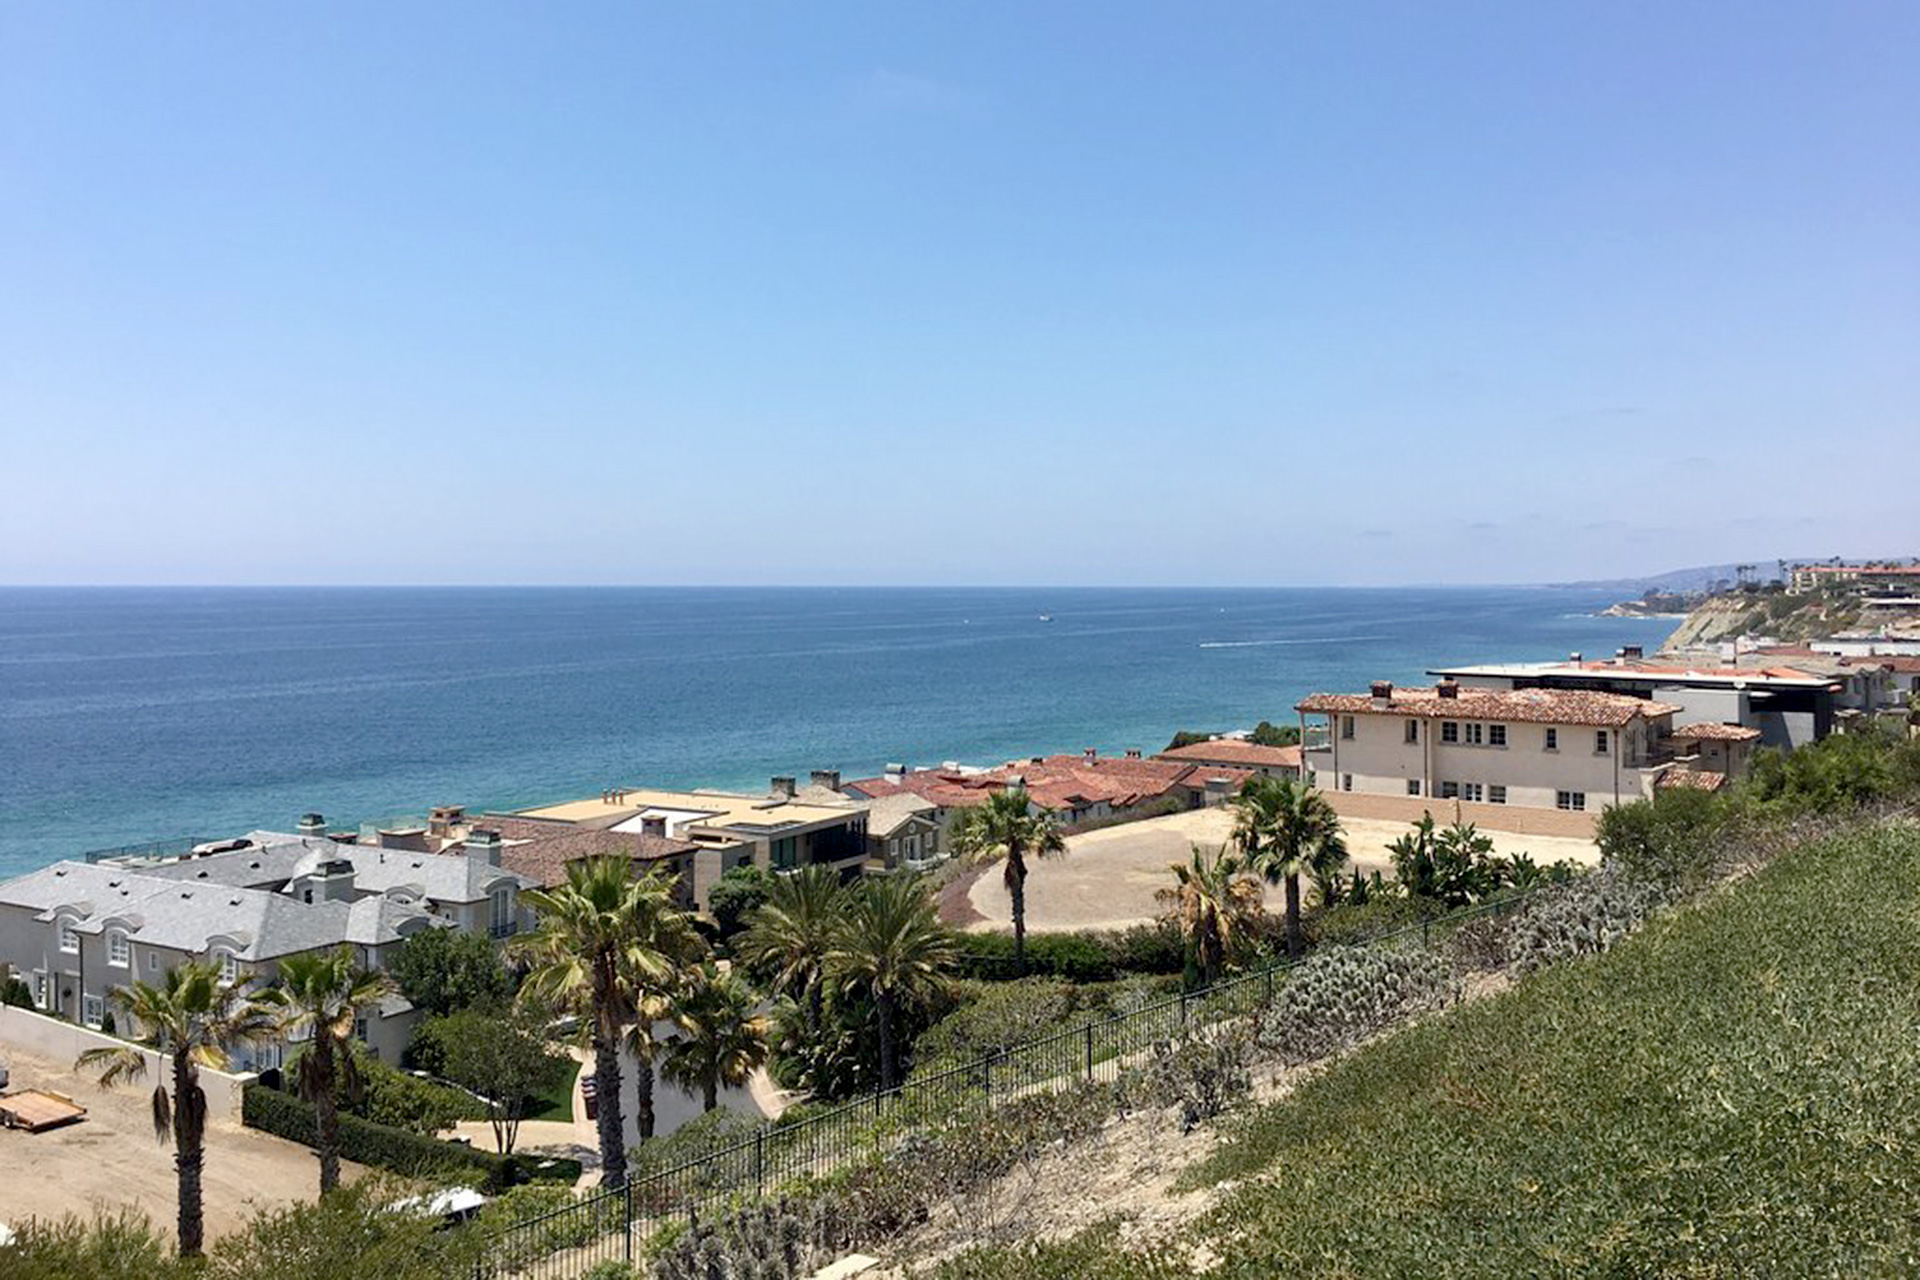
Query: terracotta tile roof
column 1717, row 732
column 1691, row 779
column 1234, row 751
column 1536, row 706
column 542, row 850
column 1056, row 781
column 1904, row 663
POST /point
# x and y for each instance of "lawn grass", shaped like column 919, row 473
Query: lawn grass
column 555, row 1102
column 1734, row 1092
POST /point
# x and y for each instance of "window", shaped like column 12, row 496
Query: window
column 360, row 1029
column 1496, row 794
column 1413, row 731
column 1471, row 792
column 153, row 962
column 1496, row 735
column 91, row 1009
column 1600, row 742
column 503, row 924
column 1449, row 791
column 1413, row 786
column 1573, row 801
column 1475, row 734
column 39, row 988
column 1346, row 726
column 1449, row 731
column 119, row 950
column 1553, row 739
column 69, row 939
column 785, row 852
column 1346, row 782
column 229, row 965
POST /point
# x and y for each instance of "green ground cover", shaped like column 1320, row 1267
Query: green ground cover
column 1734, row 1092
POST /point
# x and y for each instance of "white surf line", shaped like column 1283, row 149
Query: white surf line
column 1256, row 644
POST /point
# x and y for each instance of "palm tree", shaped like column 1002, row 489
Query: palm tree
column 1214, row 901
column 1283, row 827
column 590, row 946
column 320, row 995
column 723, row 1035
column 1005, row 826
column 193, row 1017
column 649, row 991
column 893, row 947
column 789, row 935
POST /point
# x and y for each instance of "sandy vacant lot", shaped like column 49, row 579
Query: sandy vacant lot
column 110, row 1159
column 1107, row 878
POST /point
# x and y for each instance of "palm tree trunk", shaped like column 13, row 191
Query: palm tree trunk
column 189, row 1155
column 883, row 1006
column 710, row 1095
column 1017, row 889
column 643, row 1093
column 606, row 1075
column 1293, row 914
column 326, row 1114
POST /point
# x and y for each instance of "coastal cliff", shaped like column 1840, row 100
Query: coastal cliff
column 1773, row 615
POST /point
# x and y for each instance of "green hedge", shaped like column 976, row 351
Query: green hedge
column 365, row 1142
column 1094, row 956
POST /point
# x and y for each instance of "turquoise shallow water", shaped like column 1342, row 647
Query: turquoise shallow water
column 139, row 713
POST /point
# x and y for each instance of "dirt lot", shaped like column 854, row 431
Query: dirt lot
column 1107, row 878
column 110, row 1159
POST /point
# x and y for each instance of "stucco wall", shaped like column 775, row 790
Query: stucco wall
column 64, row 1041
column 1494, row 817
column 1381, row 761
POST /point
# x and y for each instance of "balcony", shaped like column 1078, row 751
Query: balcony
column 506, row 930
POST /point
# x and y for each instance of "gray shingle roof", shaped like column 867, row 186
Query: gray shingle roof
column 277, row 858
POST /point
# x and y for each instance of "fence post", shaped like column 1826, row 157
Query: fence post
column 1269, row 984
column 986, row 1078
column 760, row 1160
column 1089, row 1051
column 1425, row 938
column 1183, row 1013
column 627, row 1196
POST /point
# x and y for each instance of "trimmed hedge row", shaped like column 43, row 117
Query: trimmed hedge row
column 286, row 1116
column 1094, row 956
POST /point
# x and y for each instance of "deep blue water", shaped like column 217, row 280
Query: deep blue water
column 131, row 713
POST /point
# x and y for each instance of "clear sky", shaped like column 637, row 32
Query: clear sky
column 979, row 293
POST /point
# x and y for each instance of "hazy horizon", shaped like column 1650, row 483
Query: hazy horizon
column 1102, row 295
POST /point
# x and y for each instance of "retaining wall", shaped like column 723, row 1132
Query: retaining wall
column 63, row 1041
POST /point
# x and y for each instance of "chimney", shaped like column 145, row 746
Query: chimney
column 1382, row 693
column 783, row 787
column 896, row 770
column 312, row 826
column 1133, row 753
column 1092, row 755
column 332, row 881
column 1448, row 688
column 484, row 844
column 1632, row 653
column 1574, row 656
column 827, row 778
column 653, row 826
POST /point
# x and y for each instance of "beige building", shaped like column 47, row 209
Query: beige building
column 1543, row 748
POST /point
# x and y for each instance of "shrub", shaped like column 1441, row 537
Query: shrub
column 1202, row 1077
column 393, row 1097
column 1092, row 956
column 15, row 992
column 1337, row 998
column 736, row 893
column 1673, row 839
column 781, row 1240
column 441, row 970
column 993, row 1017
column 286, row 1116
column 1582, row 918
column 1353, row 922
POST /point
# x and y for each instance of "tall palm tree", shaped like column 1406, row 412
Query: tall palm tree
column 893, row 947
column 1214, row 901
column 723, row 1036
column 1006, row 827
column 319, row 995
column 193, row 1017
column 1283, row 827
column 664, row 932
column 789, row 935
column 588, row 948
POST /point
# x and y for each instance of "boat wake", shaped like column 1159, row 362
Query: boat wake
column 1260, row 644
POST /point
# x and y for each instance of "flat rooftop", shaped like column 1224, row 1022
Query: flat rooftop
column 1649, row 672
column 707, row 808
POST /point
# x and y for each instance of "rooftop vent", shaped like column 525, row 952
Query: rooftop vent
column 1448, row 688
column 1574, row 656
column 1632, row 652
column 1382, row 691
column 1092, row 755
column 895, row 770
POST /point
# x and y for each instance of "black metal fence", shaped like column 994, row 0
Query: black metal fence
column 615, row 1225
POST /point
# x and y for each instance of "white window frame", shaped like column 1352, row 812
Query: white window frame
column 69, row 939
column 229, row 965
column 1413, row 731
column 119, row 949
column 1496, row 735
column 1471, row 792
column 40, row 988
column 1600, row 742
column 1553, row 740
column 93, row 1010
column 1476, row 733
column 1449, row 791
column 500, row 911
column 1346, row 728
column 1450, row 731
column 1413, row 786
column 1570, row 801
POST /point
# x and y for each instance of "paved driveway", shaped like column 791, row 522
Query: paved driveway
column 1107, row 879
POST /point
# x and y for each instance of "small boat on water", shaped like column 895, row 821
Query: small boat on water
column 1046, row 617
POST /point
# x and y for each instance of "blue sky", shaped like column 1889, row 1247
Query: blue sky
column 885, row 293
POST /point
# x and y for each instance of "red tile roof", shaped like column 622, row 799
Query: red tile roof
column 1055, row 782
column 542, row 849
column 1717, row 732
column 1694, row 779
column 1904, row 663
column 1536, row 706
column 1235, row 751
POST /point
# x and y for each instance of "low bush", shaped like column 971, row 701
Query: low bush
column 1091, row 956
column 400, row 1100
column 385, row 1147
column 1337, row 998
column 1202, row 1077
column 1582, row 918
column 778, row 1240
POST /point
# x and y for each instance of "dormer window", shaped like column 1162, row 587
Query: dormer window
column 229, row 965
column 69, row 939
column 119, row 949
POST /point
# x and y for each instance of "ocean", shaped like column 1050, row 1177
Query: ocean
column 133, row 714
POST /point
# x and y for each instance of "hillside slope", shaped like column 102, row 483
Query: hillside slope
column 1775, row 615
column 1734, row 1092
